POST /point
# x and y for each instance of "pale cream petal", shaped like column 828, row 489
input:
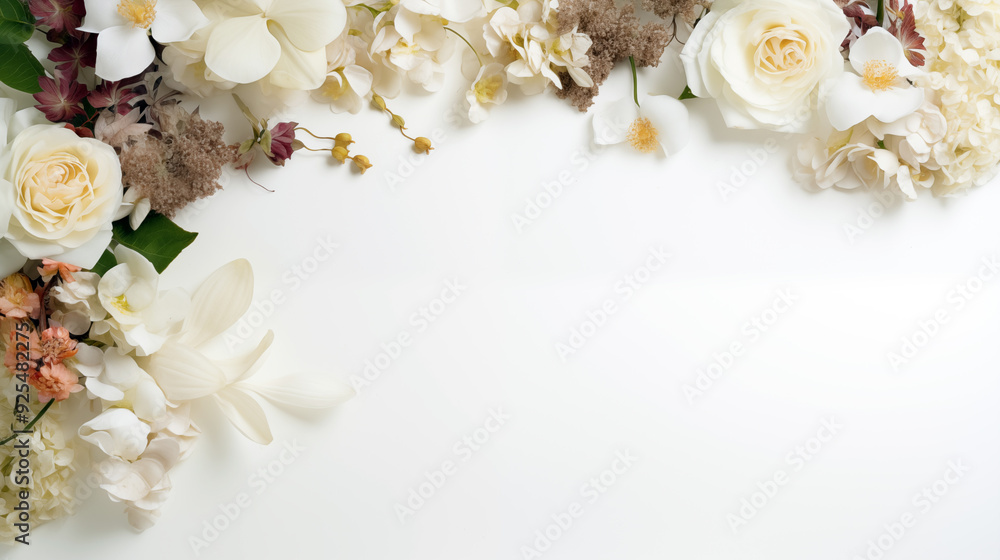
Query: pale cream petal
column 242, row 50
column 219, row 302
column 245, row 413
column 305, row 391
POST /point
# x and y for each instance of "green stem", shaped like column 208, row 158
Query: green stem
column 31, row 424
column 635, row 81
column 374, row 12
column 880, row 13
column 466, row 41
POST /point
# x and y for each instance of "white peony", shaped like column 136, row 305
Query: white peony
column 766, row 62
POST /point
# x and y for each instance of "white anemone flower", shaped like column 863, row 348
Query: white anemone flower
column 283, row 39
column 185, row 372
column 879, row 88
column 659, row 125
column 123, row 29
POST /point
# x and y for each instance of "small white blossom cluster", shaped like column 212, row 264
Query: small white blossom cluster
column 962, row 38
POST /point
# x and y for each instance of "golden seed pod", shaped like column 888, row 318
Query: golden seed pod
column 340, row 153
column 378, row 101
column 422, row 145
column 398, row 121
column 362, row 163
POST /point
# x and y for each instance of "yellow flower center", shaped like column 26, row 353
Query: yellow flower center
column 643, row 136
column 121, row 304
column 487, row 88
column 334, row 88
column 140, row 13
column 880, row 75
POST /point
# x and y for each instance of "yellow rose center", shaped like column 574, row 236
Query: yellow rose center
column 781, row 51
column 139, row 13
column 55, row 190
column 880, row 75
column 643, row 136
column 487, row 88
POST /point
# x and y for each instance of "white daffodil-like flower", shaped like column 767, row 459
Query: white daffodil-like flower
column 117, row 432
column 283, row 40
column 141, row 317
column 185, row 372
column 879, row 88
column 123, row 29
column 117, row 380
column 413, row 44
column 347, row 84
column 660, row 125
column 490, row 88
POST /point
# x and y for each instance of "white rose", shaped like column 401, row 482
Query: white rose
column 766, row 62
column 60, row 194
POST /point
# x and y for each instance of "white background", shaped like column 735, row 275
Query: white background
column 826, row 357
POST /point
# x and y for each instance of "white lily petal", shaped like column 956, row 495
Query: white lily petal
column 671, row 119
column 876, row 45
column 242, row 50
column 245, row 413
column 177, row 20
column 101, row 14
column 219, row 302
column 242, row 367
column 611, row 122
column 183, row 373
column 123, row 52
column 297, row 69
column 311, row 25
column 304, row 391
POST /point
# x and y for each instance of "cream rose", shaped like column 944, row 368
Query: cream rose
column 61, row 194
column 766, row 62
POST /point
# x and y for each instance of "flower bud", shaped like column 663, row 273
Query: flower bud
column 340, row 153
column 378, row 101
column 343, row 140
column 422, row 145
column 362, row 163
column 398, row 121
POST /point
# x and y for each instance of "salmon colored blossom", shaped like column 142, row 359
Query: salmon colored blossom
column 56, row 345
column 50, row 267
column 10, row 358
column 17, row 300
column 54, row 381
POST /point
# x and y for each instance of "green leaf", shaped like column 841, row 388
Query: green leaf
column 106, row 263
column 158, row 239
column 687, row 94
column 20, row 69
column 16, row 23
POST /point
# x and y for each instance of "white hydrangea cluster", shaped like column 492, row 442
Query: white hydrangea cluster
column 962, row 38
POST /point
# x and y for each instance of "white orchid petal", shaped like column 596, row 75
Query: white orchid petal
column 611, row 122
column 876, row 45
column 671, row 119
column 298, row 69
column 242, row 367
column 101, row 14
column 219, row 302
column 242, row 50
column 123, row 52
column 890, row 106
column 177, row 20
column 311, row 25
column 245, row 413
column 183, row 373
column 304, row 391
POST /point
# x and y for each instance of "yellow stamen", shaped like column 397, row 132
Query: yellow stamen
column 140, row 13
column 643, row 136
column 880, row 75
column 121, row 304
column 487, row 88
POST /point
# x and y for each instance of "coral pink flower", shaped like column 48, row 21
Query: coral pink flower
column 56, row 345
column 54, row 381
column 17, row 300
column 50, row 267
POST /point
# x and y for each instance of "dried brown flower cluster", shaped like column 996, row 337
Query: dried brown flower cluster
column 672, row 10
column 179, row 162
column 616, row 34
